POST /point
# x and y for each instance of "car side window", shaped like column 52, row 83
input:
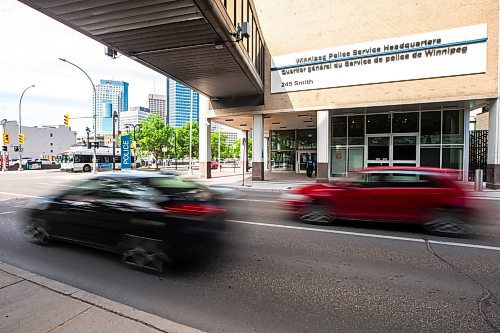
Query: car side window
column 370, row 180
column 413, row 180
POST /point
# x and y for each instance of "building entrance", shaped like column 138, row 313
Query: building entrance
column 392, row 149
column 302, row 158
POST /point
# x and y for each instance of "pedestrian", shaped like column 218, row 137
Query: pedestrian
column 309, row 166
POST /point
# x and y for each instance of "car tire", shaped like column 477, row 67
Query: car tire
column 87, row 168
column 448, row 222
column 317, row 213
column 37, row 232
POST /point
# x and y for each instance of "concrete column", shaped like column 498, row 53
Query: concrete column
column 266, row 157
column 493, row 169
column 258, row 147
column 205, row 156
column 323, row 137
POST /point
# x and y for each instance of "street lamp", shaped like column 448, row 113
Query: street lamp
column 127, row 126
column 20, row 131
column 87, row 129
column 94, row 159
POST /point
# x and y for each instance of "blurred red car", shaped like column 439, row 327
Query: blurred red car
column 214, row 165
column 427, row 196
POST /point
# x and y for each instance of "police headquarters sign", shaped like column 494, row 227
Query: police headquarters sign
column 125, row 152
column 441, row 53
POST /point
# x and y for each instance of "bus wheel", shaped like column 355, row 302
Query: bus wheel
column 86, row 168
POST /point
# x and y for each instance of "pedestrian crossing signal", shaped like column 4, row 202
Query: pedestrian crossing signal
column 6, row 139
column 21, row 139
column 66, row 119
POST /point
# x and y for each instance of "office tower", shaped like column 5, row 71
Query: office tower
column 112, row 96
column 133, row 116
column 179, row 104
column 157, row 105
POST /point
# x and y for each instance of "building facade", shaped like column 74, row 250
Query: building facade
column 39, row 142
column 133, row 117
column 180, row 101
column 157, row 105
column 112, row 96
column 367, row 87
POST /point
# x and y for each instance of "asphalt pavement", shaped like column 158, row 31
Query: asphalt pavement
column 276, row 275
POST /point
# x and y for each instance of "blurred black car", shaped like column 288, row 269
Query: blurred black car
column 152, row 219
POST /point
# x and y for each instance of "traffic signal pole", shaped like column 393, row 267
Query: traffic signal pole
column 21, row 136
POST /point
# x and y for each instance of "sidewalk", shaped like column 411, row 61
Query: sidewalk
column 30, row 303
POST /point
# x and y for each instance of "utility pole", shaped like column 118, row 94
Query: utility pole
column 4, row 153
column 114, row 139
column 94, row 159
column 20, row 131
column 191, row 134
column 218, row 158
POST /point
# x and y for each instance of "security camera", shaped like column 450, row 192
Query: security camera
column 246, row 30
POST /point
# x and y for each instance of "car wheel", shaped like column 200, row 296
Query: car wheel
column 86, row 168
column 317, row 213
column 37, row 232
column 448, row 222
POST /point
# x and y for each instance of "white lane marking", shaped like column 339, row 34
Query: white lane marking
column 255, row 200
column 350, row 233
column 20, row 195
column 4, row 213
column 54, row 184
column 484, row 198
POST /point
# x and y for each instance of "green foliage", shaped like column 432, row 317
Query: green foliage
column 225, row 149
column 153, row 135
column 183, row 141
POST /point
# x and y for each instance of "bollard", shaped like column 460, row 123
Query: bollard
column 478, row 180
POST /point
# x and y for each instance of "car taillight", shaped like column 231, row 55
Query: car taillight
column 194, row 209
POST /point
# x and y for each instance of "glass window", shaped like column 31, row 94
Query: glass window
column 339, row 130
column 282, row 140
column 283, row 160
column 378, row 123
column 431, row 127
column 338, row 162
column 404, row 148
column 356, row 130
column 306, row 139
column 453, row 157
column 356, row 158
column 378, row 148
column 230, row 10
column 429, row 157
column 405, row 122
column 453, row 126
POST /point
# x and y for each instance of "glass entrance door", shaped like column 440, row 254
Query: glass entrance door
column 392, row 150
column 302, row 157
column 378, row 152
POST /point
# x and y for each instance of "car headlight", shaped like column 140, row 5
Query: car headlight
column 294, row 197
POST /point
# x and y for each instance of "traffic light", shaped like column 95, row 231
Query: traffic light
column 6, row 139
column 66, row 119
column 21, row 139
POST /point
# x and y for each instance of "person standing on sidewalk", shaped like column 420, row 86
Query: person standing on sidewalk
column 310, row 166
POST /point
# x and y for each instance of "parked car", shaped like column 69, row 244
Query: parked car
column 152, row 219
column 214, row 165
column 426, row 196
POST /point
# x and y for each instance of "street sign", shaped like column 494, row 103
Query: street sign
column 125, row 151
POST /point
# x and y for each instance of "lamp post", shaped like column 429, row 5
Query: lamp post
column 20, row 130
column 191, row 133
column 218, row 158
column 94, row 159
column 127, row 126
column 115, row 114
column 88, row 136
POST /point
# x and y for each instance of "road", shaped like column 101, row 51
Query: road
column 276, row 275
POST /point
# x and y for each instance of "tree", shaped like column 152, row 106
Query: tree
column 224, row 147
column 153, row 136
column 183, row 140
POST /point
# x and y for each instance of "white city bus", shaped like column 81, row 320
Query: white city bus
column 80, row 159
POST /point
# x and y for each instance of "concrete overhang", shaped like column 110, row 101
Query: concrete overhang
column 187, row 40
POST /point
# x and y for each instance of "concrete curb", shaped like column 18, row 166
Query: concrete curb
column 148, row 319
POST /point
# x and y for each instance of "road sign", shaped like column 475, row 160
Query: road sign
column 125, row 151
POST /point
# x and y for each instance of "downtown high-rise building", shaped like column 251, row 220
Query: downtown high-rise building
column 134, row 116
column 112, row 96
column 157, row 105
column 180, row 99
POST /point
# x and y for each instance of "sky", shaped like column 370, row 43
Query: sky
column 31, row 44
